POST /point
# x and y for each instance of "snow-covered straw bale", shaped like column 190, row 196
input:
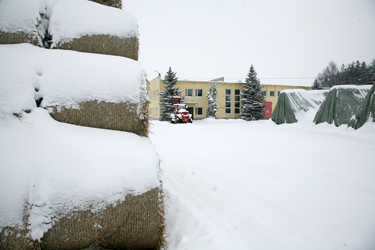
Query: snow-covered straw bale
column 69, row 187
column 341, row 104
column 295, row 105
column 366, row 110
column 79, row 88
column 102, row 29
column 19, row 20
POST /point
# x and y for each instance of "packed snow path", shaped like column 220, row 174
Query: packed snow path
column 255, row 185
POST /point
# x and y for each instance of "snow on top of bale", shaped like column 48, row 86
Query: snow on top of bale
column 67, row 22
column 65, row 78
column 19, row 15
column 49, row 169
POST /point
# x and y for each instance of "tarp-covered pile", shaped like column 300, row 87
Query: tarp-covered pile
column 297, row 104
column 366, row 111
column 341, row 104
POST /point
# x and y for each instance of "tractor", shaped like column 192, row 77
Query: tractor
column 180, row 113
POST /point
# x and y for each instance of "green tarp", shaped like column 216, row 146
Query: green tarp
column 365, row 111
column 297, row 104
column 341, row 104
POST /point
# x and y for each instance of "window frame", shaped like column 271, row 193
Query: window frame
column 186, row 93
column 196, row 93
column 272, row 93
column 228, row 101
column 237, row 95
column 196, row 111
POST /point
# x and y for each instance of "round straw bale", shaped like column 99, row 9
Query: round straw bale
column 103, row 44
column 116, row 116
column 135, row 223
column 18, row 37
column 113, row 3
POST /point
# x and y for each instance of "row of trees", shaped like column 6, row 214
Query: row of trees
column 252, row 97
column 355, row 73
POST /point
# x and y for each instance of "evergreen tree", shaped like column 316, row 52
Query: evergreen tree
column 213, row 109
column 355, row 73
column 316, row 85
column 166, row 96
column 252, row 98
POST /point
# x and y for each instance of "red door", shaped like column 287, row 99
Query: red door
column 267, row 110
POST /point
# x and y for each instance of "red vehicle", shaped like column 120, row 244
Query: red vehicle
column 180, row 113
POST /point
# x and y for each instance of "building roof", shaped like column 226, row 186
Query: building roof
column 291, row 82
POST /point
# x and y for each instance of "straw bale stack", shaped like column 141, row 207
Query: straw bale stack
column 112, row 3
column 17, row 37
column 136, row 223
column 103, row 44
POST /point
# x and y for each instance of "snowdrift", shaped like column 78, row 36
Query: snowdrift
column 297, row 104
column 61, row 24
column 366, row 110
column 341, row 104
column 79, row 88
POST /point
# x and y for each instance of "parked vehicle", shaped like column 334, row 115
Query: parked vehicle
column 180, row 113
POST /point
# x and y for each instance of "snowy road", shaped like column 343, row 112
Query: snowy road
column 255, row 185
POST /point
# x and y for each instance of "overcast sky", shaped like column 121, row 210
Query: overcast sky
column 206, row 39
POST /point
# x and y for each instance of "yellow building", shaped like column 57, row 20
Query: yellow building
column 228, row 97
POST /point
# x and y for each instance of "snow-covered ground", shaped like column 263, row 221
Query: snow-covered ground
column 256, row 185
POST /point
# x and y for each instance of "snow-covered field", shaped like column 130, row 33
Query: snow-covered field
column 256, row 185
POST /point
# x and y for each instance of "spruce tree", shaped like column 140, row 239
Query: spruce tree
column 316, row 85
column 166, row 96
column 252, row 98
column 213, row 109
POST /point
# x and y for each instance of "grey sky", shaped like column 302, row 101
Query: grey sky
column 282, row 39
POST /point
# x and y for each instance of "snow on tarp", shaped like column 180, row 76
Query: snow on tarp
column 341, row 104
column 297, row 104
column 49, row 169
column 65, row 78
column 366, row 110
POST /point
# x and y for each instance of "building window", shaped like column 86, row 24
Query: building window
column 228, row 101
column 157, row 111
column 272, row 93
column 264, row 93
column 237, row 101
column 157, row 93
column 189, row 92
column 198, row 111
column 278, row 93
column 199, row 93
column 154, row 94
